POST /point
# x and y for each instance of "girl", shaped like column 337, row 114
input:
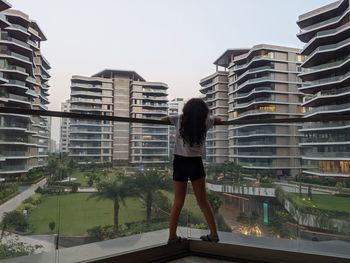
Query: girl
column 191, row 128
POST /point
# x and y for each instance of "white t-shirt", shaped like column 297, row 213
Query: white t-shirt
column 185, row 149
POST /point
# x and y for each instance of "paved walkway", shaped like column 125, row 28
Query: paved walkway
column 25, row 192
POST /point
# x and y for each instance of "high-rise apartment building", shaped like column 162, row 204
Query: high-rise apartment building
column 175, row 107
column 121, row 90
column 215, row 94
column 149, row 142
column 325, row 76
column 263, row 84
column 24, row 83
column 64, row 130
column 124, row 94
column 91, row 140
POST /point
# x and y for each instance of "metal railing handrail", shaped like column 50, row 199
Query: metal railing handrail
column 59, row 114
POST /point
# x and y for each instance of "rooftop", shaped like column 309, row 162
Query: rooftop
column 111, row 73
column 225, row 59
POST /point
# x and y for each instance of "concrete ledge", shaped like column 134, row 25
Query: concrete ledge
column 152, row 247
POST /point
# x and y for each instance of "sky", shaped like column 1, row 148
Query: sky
column 170, row 41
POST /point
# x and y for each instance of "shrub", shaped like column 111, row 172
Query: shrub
column 25, row 206
column 15, row 220
column 52, row 225
column 34, row 199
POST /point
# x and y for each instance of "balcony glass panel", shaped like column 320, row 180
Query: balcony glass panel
column 104, row 188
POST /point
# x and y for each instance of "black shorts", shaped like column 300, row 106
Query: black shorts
column 185, row 168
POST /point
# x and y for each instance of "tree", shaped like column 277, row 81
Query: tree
column 339, row 186
column 215, row 201
column 59, row 167
column 147, row 184
column 116, row 190
column 233, row 170
column 13, row 220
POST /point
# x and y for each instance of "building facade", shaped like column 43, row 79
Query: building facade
column 215, row 94
column 64, row 128
column 260, row 82
column 175, row 107
column 91, row 140
column 326, row 34
column 24, row 83
column 263, row 84
column 124, row 94
column 149, row 142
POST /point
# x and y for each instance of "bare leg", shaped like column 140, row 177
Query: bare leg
column 180, row 189
column 201, row 196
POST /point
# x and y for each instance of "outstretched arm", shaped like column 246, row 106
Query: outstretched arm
column 166, row 119
column 217, row 120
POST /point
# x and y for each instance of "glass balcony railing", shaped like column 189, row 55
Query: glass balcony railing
column 329, row 47
column 254, row 90
column 253, row 70
column 327, row 65
column 14, row 40
column 14, row 54
column 114, row 195
column 268, row 56
column 19, row 27
column 326, row 80
column 333, row 108
column 325, row 22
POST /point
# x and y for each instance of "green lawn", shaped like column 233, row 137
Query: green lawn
column 334, row 203
column 79, row 213
column 83, row 179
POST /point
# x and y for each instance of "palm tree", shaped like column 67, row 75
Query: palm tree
column 59, row 167
column 147, row 184
column 116, row 190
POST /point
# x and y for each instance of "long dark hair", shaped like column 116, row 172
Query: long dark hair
column 193, row 122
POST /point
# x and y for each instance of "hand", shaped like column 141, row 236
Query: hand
column 217, row 120
column 166, row 119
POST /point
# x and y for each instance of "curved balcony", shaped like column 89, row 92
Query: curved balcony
column 89, row 101
column 325, row 82
column 154, row 92
column 262, row 101
column 326, row 156
column 322, row 97
column 15, row 70
column 307, row 32
column 323, row 50
column 211, row 85
column 332, row 66
column 86, row 86
column 16, row 84
column 253, row 71
column 325, row 36
column 338, row 125
column 16, row 42
column 87, row 94
column 341, row 108
column 237, row 68
column 16, row 56
column 18, row 30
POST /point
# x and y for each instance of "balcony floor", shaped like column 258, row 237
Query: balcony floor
column 199, row 260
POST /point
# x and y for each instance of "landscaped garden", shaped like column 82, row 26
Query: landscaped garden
column 75, row 213
column 326, row 202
